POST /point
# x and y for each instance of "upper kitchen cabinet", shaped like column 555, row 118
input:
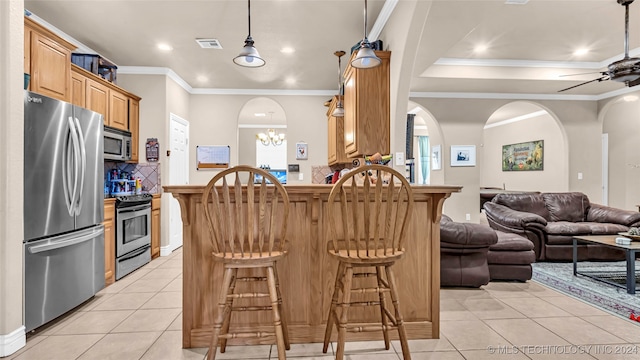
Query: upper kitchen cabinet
column 366, row 108
column 134, row 127
column 97, row 98
column 337, row 154
column 118, row 110
column 48, row 60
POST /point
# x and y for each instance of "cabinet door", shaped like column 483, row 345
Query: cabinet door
column 27, row 51
column 97, row 98
column 337, row 154
column 134, row 125
column 78, row 89
column 118, row 110
column 155, row 227
column 350, row 112
column 109, row 243
column 50, row 67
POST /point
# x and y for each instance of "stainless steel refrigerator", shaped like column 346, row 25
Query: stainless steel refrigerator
column 63, row 207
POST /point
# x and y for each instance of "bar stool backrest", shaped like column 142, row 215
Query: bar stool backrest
column 369, row 220
column 249, row 221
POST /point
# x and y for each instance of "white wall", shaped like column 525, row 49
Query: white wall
column 12, row 336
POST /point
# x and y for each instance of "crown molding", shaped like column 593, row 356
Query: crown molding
column 381, row 20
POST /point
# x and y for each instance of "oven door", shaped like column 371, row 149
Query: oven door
column 133, row 228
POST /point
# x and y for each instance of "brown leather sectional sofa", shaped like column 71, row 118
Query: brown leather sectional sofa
column 472, row 254
column 550, row 220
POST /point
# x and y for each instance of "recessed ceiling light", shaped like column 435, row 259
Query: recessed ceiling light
column 581, row 51
column 202, row 78
column 260, row 114
column 630, row 98
column 287, row 50
column 290, row 80
column 165, row 47
column 480, row 48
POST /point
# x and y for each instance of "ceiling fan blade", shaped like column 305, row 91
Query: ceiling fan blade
column 602, row 78
column 633, row 83
column 587, row 73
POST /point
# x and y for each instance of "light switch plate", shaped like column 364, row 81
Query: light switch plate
column 300, row 176
column 399, row 158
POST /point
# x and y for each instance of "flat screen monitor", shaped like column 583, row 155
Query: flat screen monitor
column 280, row 174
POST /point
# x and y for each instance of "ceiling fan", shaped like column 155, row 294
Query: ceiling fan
column 626, row 70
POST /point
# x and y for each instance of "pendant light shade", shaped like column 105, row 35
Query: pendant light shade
column 249, row 56
column 339, row 110
column 366, row 57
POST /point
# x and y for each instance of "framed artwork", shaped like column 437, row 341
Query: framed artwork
column 527, row 156
column 463, row 155
column 302, row 151
column 436, row 157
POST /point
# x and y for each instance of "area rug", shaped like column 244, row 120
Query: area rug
column 611, row 298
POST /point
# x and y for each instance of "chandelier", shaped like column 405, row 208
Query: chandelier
column 271, row 137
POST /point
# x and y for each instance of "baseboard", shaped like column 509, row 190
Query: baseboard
column 10, row 343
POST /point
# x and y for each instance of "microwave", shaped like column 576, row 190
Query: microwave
column 117, row 144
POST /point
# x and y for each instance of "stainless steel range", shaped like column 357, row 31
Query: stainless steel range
column 133, row 233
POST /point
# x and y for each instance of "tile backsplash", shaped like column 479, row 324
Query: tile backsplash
column 149, row 173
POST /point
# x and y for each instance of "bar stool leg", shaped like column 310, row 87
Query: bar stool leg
column 402, row 334
column 383, row 306
column 344, row 304
column 222, row 312
column 283, row 317
column 227, row 318
column 332, row 310
column 277, row 323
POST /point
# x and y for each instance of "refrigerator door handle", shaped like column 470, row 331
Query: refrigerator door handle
column 76, row 161
column 53, row 244
column 67, row 174
column 82, row 166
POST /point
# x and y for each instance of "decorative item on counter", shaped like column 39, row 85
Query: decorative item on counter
column 138, row 186
column 153, row 149
column 377, row 158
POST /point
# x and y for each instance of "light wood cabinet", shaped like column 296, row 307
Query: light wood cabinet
column 109, row 241
column 337, row 154
column 155, row 226
column 367, row 109
column 118, row 110
column 49, row 61
column 134, row 127
column 97, row 98
column 78, row 89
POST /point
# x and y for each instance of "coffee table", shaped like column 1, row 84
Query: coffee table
column 610, row 240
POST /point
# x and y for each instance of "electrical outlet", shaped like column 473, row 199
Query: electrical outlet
column 467, row 217
column 399, row 158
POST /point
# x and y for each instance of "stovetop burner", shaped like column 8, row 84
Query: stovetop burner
column 132, row 200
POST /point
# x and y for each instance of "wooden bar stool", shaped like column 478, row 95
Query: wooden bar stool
column 368, row 225
column 248, row 226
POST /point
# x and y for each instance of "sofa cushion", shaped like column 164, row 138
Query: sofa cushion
column 465, row 235
column 571, row 206
column 531, row 203
column 567, row 228
column 605, row 228
column 511, row 257
column 511, row 242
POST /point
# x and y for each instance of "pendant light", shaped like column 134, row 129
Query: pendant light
column 366, row 57
column 249, row 56
column 339, row 110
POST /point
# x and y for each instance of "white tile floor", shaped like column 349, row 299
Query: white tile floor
column 139, row 317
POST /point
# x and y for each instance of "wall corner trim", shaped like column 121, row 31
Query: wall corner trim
column 12, row 342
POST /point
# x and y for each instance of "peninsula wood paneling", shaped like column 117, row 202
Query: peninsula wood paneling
column 307, row 274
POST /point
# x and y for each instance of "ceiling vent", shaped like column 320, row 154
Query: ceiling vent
column 516, row 2
column 209, row 43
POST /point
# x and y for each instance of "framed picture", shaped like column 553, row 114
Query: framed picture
column 302, row 151
column 436, row 157
column 463, row 155
column 527, row 156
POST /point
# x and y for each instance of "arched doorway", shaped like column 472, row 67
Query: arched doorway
column 263, row 115
column 532, row 126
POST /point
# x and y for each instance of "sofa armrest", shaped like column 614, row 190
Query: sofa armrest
column 466, row 235
column 511, row 218
column 606, row 214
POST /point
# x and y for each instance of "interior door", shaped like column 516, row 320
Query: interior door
column 178, row 173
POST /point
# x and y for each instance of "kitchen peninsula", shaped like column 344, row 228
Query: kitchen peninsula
column 307, row 273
